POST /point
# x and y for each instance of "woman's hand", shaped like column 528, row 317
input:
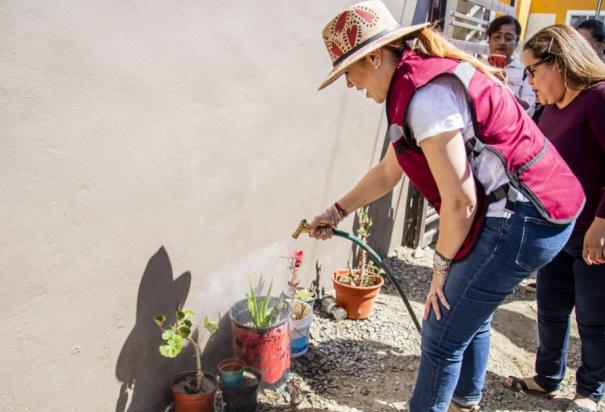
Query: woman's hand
column 594, row 243
column 321, row 226
column 435, row 296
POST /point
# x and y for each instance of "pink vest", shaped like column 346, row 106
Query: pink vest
column 532, row 164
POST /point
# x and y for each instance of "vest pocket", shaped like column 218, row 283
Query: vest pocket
column 541, row 241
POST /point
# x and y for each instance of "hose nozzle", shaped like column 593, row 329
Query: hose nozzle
column 303, row 227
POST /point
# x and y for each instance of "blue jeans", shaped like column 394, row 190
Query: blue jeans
column 454, row 350
column 562, row 284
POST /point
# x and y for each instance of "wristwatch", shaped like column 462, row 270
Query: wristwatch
column 441, row 264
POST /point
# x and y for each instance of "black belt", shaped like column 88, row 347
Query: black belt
column 503, row 192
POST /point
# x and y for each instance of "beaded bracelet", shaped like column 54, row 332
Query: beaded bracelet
column 343, row 213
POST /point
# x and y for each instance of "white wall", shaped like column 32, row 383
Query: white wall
column 537, row 21
column 150, row 151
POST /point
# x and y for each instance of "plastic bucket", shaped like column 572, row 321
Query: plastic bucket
column 264, row 349
column 299, row 330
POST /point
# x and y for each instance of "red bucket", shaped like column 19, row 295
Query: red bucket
column 265, row 349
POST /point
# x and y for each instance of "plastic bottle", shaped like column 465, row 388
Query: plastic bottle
column 329, row 307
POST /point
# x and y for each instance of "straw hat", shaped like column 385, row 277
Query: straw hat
column 357, row 31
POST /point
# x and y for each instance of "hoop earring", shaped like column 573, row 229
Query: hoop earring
column 377, row 64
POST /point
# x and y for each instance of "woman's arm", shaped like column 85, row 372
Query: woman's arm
column 447, row 160
column 594, row 241
column 376, row 183
column 380, row 180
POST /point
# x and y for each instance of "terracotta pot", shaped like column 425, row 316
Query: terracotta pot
column 196, row 402
column 356, row 301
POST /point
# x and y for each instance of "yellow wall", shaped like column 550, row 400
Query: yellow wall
column 560, row 7
column 523, row 10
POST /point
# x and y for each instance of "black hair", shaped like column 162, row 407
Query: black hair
column 495, row 25
column 596, row 28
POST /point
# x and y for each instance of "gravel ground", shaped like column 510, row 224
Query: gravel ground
column 371, row 365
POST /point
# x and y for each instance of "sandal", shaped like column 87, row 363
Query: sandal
column 519, row 385
column 454, row 407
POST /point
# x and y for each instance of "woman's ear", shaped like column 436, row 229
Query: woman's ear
column 374, row 58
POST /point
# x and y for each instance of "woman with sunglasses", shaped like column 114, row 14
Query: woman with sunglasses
column 570, row 79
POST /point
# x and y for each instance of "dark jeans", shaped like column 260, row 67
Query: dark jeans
column 563, row 284
column 455, row 349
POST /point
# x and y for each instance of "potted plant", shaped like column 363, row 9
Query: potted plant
column 294, row 290
column 356, row 288
column 300, row 326
column 239, row 385
column 261, row 337
column 191, row 391
column 231, row 372
column 301, row 300
column 244, row 397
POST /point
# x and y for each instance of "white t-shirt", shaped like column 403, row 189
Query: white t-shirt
column 441, row 106
column 519, row 84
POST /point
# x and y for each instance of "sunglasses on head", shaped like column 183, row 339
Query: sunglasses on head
column 531, row 69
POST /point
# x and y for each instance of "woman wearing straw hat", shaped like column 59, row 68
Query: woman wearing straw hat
column 507, row 200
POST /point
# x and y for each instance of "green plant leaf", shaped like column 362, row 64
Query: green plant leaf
column 167, row 334
column 187, row 323
column 303, row 294
column 159, row 320
column 184, row 331
column 210, row 325
column 252, row 307
column 172, row 347
column 189, row 314
column 180, row 315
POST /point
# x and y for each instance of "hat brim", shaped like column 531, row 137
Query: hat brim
column 339, row 69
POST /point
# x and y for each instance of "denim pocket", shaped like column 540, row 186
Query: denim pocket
column 540, row 243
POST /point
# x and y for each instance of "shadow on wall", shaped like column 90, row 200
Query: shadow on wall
column 219, row 346
column 144, row 374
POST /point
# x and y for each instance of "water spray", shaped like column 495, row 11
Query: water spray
column 303, row 227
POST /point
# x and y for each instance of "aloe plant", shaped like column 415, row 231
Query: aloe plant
column 262, row 315
column 176, row 336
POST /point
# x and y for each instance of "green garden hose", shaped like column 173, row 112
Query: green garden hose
column 303, row 227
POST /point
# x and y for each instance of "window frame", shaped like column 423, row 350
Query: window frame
column 581, row 13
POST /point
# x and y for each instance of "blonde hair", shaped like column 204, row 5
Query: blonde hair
column 429, row 42
column 563, row 46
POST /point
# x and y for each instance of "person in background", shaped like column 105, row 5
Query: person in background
column 503, row 37
column 570, row 80
column 594, row 32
